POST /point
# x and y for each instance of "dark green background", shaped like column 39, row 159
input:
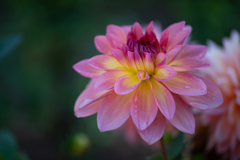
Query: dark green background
column 38, row 86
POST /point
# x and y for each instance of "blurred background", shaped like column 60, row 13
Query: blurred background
column 40, row 41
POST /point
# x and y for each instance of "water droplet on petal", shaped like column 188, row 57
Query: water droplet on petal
column 187, row 87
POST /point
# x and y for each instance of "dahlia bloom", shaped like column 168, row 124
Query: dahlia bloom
column 224, row 121
column 145, row 78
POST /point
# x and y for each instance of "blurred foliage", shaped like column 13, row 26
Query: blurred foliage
column 39, row 86
column 174, row 149
column 8, row 44
column 9, row 148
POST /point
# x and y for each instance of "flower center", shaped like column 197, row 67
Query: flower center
column 143, row 75
column 147, row 43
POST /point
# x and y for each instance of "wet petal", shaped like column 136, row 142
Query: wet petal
column 164, row 99
column 163, row 73
column 186, row 84
column 114, row 111
column 192, row 51
column 183, row 118
column 172, row 54
column 188, row 64
column 144, row 108
column 120, row 56
column 155, row 131
column 211, row 100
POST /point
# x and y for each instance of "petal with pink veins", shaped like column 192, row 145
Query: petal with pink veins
column 114, row 39
column 102, row 45
column 87, row 70
column 120, row 56
column 107, row 80
column 186, row 84
column 161, row 59
column 155, row 131
column 164, row 99
column 118, row 31
column 211, row 100
column 177, row 39
column 172, row 54
column 149, row 28
column 188, row 64
column 183, row 118
column 137, row 30
column 114, row 111
column 192, row 51
column 90, row 109
column 164, row 73
column 138, row 61
column 126, row 84
column 144, row 108
column 176, row 27
column 164, row 40
column 131, row 61
column 103, row 62
column 148, row 63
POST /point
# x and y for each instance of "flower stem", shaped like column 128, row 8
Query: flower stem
column 164, row 154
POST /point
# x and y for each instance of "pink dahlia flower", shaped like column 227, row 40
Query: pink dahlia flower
column 224, row 121
column 147, row 79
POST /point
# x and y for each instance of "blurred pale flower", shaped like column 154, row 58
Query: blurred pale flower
column 224, row 121
column 147, row 79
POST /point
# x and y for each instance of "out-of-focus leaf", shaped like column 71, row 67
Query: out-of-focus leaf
column 175, row 146
column 155, row 157
column 8, row 146
column 8, row 44
column 22, row 156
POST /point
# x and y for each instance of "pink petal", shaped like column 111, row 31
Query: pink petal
column 223, row 130
column 149, row 28
column 120, row 56
column 186, row 84
column 126, row 84
column 172, row 54
column 107, row 80
column 183, row 118
column 155, row 131
column 90, row 109
column 118, row 31
column 113, row 39
column 177, row 39
column 114, row 111
column 143, row 75
column 87, row 70
column 164, row 40
column 103, row 62
column 211, row 100
column 144, row 108
column 148, row 63
column 102, row 45
column 138, row 61
column 137, row 30
column 164, row 99
column 126, row 28
column 192, row 51
column 161, row 59
column 188, row 64
column 176, row 27
column 164, row 73
column 131, row 61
